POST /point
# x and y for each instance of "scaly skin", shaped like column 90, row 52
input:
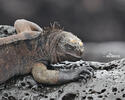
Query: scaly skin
column 33, row 49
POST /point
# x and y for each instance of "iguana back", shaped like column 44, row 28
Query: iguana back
column 15, row 54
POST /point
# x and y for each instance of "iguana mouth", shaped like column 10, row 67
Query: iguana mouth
column 74, row 55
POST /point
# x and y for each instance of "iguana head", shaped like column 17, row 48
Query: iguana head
column 70, row 46
column 62, row 45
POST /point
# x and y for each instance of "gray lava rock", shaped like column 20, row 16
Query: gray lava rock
column 107, row 83
column 6, row 30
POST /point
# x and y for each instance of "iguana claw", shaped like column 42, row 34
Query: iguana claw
column 83, row 72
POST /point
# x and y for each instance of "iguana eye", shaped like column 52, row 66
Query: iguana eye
column 69, row 47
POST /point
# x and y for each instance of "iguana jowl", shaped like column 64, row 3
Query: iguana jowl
column 34, row 48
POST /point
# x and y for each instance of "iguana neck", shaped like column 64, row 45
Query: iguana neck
column 40, row 54
column 51, row 47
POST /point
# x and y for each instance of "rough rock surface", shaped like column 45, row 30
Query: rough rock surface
column 108, row 82
column 6, row 30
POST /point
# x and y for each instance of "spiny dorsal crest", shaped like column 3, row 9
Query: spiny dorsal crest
column 54, row 27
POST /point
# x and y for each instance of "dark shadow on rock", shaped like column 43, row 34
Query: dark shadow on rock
column 69, row 96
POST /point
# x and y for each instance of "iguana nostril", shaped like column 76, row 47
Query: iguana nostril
column 80, row 43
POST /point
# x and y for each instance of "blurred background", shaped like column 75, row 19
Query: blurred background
column 99, row 23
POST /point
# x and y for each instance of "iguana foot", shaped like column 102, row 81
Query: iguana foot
column 83, row 72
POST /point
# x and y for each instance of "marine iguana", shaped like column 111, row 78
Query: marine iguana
column 32, row 49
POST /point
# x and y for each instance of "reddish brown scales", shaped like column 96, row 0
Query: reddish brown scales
column 15, row 58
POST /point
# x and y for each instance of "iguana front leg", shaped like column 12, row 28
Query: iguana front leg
column 42, row 75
